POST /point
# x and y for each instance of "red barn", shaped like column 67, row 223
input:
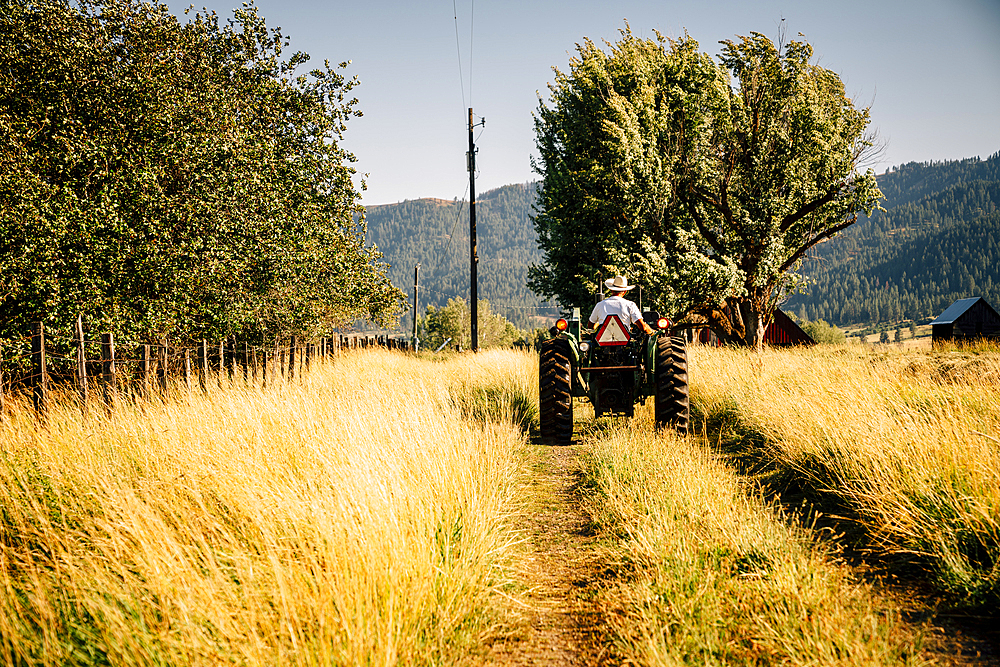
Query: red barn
column 783, row 332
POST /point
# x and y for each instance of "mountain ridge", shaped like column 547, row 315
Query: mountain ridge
column 937, row 241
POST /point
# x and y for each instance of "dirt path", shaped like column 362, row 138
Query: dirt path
column 555, row 619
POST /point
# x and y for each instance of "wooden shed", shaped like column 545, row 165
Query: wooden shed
column 966, row 320
column 783, row 332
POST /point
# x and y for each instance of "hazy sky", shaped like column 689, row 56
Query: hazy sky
column 929, row 68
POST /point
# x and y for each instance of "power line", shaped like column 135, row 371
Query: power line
column 458, row 48
column 458, row 216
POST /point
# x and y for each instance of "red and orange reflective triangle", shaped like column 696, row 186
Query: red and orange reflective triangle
column 612, row 332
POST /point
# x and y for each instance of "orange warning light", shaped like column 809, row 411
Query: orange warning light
column 562, row 324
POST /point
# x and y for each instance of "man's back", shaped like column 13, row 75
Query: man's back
column 626, row 310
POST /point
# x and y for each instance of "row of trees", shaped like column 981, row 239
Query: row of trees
column 176, row 178
column 706, row 181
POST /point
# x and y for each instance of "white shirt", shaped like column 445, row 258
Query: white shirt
column 626, row 310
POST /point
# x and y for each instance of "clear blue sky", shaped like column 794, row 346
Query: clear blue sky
column 929, row 68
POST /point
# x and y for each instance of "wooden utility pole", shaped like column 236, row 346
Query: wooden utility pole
column 416, row 286
column 473, row 253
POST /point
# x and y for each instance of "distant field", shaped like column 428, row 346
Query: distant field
column 921, row 341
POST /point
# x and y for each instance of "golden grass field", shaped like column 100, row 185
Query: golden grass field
column 708, row 573
column 367, row 513
column 905, row 443
column 356, row 517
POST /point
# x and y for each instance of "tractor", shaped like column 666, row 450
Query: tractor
column 614, row 368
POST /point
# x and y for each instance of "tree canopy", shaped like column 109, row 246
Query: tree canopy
column 175, row 177
column 707, row 182
column 454, row 322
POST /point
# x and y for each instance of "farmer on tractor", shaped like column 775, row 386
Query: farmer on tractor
column 613, row 368
column 616, row 304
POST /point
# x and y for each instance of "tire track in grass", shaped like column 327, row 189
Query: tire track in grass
column 554, row 619
column 951, row 639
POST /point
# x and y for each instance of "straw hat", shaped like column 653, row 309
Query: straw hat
column 618, row 284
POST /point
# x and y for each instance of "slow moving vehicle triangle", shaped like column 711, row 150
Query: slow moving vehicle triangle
column 612, row 332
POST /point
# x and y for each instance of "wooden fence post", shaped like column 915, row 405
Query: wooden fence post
column 144, row 368
column 222, row 360
column 81, row 364
column 231, row 348
column 39, row 376
column 161, row 363
column 1, row 381
column 187, row 368
column 308, row 356
column 291, row 359
column 245, row 361
column 109, row 372
column 264, row 353
column 203, row 363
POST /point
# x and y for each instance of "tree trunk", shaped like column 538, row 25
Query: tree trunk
column 742, row 322
column 755, row 324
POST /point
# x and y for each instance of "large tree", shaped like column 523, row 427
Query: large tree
column 705, row 181
column 175, row 177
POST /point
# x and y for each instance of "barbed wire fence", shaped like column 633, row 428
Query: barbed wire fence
column 96, row 370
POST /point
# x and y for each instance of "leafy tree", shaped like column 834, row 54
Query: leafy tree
column 898, row 335
column 913, row 329
column 454, row 321
column 883, row 337
column 707, row 182
column 823, row 332
column 175, row 178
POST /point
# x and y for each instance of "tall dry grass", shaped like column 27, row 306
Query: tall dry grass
column 905, row 443
column 355, row 516
column 709, row 574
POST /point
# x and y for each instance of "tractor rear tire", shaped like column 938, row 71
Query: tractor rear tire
column 673, row 405
column 555, row 398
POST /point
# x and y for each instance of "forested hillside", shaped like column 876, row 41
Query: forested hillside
column 936, row 242
column 435, row 233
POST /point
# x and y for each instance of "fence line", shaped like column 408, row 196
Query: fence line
column 155, row 363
